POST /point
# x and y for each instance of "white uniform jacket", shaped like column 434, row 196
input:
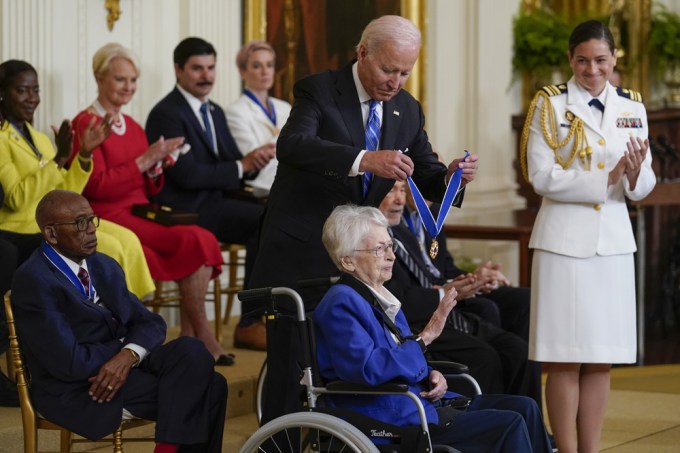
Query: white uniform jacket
column 249, row 125
column 580, row 216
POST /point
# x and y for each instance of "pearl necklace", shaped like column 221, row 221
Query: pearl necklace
column 118, row 125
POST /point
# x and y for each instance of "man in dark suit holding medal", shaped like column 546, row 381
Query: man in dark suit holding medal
column 341, row 145
column 95, row 351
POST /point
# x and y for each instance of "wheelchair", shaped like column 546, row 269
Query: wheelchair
column 322, row 429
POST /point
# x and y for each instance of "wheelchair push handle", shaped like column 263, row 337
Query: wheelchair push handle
column 266, row 295
column 326, row 282
column 255, row 295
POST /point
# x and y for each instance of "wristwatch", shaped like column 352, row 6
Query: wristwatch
column 418, row 340
column 135, row 355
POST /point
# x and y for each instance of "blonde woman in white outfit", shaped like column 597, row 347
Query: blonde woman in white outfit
column 256, row 118
column 584, row 159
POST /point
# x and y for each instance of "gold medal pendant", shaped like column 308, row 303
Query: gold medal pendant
column 434, row 248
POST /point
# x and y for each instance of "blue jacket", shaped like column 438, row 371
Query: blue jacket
column 354, row 345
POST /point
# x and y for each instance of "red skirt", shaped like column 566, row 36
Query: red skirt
column 173, row 252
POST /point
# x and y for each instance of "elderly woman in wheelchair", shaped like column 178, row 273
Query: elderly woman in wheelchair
column 362, row 337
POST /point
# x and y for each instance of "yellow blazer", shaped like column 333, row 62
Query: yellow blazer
column 581, row 216
column 26, row 178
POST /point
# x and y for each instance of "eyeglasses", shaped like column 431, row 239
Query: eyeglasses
column 380, row 250
column 82, row 223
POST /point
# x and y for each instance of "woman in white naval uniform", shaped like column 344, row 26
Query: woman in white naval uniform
column 584, row 159
column 256, row 118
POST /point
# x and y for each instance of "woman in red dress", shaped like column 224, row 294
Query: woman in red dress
column 126, row 172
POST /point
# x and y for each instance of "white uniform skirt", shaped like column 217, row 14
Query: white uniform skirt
column 582, row 309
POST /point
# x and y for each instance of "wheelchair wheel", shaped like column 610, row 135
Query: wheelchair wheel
column 307, row 432
column 259, row 395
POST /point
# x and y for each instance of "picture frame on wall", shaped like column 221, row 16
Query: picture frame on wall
column 311, row 36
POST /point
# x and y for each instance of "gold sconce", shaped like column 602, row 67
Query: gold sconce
column 113, row 7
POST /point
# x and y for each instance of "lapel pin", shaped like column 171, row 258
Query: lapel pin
column 395, row 112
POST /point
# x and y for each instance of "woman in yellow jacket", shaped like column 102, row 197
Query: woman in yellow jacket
column 30, row 167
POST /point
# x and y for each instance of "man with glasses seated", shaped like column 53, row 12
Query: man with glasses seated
column 94, row 350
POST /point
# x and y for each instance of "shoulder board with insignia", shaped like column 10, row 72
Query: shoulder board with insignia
column 629, row 94
column 554, row 90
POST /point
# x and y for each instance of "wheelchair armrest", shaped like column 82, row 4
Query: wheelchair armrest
column 445, row 367
column 343, row 386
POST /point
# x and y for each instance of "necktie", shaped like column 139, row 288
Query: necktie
column 411, row 265
column 457, row 320
column 595, row 102
column 372, row 138
column 206, row 123
column 84, row 278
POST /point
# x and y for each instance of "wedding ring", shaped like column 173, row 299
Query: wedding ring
column 109, row 387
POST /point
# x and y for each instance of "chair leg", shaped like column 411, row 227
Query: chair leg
column 217, row 299
column 230, row 303
column 118, row 441
column 30, row 439
column 233, row 275
column 65, row 441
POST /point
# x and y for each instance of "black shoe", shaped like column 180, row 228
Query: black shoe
column 225, row 360
column 9, row 397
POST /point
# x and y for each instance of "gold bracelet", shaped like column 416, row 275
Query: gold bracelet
column 84, row 160
column 134, row 355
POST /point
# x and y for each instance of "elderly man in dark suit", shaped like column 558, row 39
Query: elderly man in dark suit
column 497, row 358
column 341, row 145
column 94, row 350
column 201, row 180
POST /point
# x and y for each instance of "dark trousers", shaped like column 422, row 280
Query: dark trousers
column 176, row 385
column 235, row 221
column 498, row 359
column 507, row 308
column 497, row 423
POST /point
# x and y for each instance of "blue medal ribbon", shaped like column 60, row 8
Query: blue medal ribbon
column 270, row 113
column 434, row 228
column 60, row 264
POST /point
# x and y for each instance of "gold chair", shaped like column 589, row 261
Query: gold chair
column 234, row 283
column 167, row 293
column 32, row 421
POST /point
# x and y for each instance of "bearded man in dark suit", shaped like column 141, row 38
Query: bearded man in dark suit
column 329, row 157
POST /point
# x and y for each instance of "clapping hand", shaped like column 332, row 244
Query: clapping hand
column 491, row 277
column 157, row 152
column 63, row 137
column 258, row 158
column 635, row 156
column 94, row 134
column 630, row 163
column 466, row 285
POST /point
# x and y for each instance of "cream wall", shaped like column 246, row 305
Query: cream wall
column 59, row 38
column 470, row 98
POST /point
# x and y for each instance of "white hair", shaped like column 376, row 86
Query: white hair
column 397, row 29
column 346, row 227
